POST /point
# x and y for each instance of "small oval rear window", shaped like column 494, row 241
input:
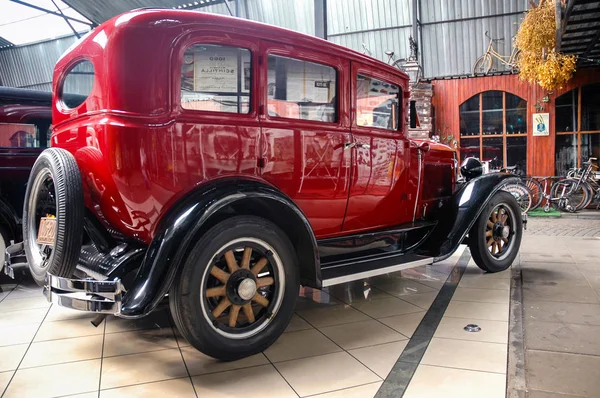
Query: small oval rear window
column 77, row 84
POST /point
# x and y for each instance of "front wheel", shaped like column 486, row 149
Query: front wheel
column 483, row 65
column 237, row 290
column 495, row 237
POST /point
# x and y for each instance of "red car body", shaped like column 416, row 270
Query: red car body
column 140, row 151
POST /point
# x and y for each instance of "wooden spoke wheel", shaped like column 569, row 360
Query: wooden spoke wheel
column 495, row 237
column 241, row 287
column 499, row 230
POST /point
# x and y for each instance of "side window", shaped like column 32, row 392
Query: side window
column 377, row 103
column 301, row 90
column 77, row 84
column 216, row 79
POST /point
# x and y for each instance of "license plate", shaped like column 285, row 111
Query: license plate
column 47, row 231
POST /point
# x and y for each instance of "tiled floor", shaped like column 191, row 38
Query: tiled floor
column 342, row 342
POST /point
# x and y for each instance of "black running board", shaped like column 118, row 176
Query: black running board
column 369, row 268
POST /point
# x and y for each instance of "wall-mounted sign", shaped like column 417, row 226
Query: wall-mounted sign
column 322, row 84
column 541, row 124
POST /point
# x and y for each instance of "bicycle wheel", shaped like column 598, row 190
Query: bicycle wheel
column 521, row 194
column 483, row 65
column 537, row 191
column 569, row 195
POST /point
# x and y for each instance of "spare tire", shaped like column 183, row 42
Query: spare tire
column 54, row 191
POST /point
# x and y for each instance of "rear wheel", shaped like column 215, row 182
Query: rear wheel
column 495, row 238
column 236, row 292
column 521, row 194
column 570, row 195
column 537, row 190
column 54, row 198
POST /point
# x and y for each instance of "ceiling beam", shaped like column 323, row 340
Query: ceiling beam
column 579, row 30
column 592, row 44
column 23, row 3
column 578, row 38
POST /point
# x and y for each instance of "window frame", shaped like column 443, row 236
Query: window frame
column 504, row 133
column 579, row 133
column 61, row 105
column 403, row 100
column 302, row 56
column 208, row 37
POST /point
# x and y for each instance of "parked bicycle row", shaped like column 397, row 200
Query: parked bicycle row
column 579, row 189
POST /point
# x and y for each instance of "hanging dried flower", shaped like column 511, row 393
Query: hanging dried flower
column 536, row 38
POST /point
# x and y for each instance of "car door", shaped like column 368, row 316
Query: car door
column 378, row 188
column 304, row 130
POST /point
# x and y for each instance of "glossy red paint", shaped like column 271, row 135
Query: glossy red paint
column 139, row 151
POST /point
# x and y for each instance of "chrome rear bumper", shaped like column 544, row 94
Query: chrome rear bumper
column 102, row 297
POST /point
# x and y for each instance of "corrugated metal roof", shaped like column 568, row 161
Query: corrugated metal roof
column 5, row 43
column 32, row 65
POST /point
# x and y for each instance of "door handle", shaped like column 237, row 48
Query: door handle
column 349, row 145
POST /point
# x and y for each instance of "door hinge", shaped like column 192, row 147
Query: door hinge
column 261, row 162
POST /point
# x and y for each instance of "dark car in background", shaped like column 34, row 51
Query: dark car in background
column 25, row 119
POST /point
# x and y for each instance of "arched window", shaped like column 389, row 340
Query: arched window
column 493, row 127
column 577, row 125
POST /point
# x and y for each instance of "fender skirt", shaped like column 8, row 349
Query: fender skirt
column 195, row 213
column 457, row 215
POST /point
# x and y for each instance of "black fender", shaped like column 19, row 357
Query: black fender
column 198, row 211
column 457, row 215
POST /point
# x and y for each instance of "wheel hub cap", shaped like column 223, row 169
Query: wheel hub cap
column 247, row 289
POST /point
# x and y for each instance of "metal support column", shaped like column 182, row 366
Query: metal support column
column 321, row 18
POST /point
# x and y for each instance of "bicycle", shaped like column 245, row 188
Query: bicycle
column 483, row 65
column 404, row 64
column 582, row 179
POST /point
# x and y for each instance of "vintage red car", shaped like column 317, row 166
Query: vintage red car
column 224, row 163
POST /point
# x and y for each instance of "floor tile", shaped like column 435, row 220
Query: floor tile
column 302, row 344
column 296, row 324
column 544, row 394
column 541, row 273
column 10, row 356
column 473, row 271
column 55, row 380
column 386, row 307
column 333, row 315
column 13, row 318
column 17, row 334
column 405, row 324
column 177, row 388
column 315, row 375
column 26, row 291
column 198, row 363
column 4, row 379
column 255, row 382
column 399, row 287
column 380, row 358
column 563, row 291
column 562, row 337
column 588, row 314
column 422, row 300
column 481, row 295
column 310, row 298
column 472, row 310
column 547, row 257
column 491, row 331
column 485, row 282
column 364, row 391
column 433, row 381
column 61, row 351
column 156, row 320
column 21, row 304
column 142, row 368
column 67, row 329
column 58, row 313
column 362, row 334
column 470, row 355
column 563, row 373
column 138, row 341
column 356, row 291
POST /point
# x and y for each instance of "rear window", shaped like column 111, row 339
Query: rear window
column 216, row 79
column 77, row 84
column 25, row 135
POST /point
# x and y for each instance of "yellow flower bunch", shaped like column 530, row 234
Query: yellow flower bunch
column 536, row 38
